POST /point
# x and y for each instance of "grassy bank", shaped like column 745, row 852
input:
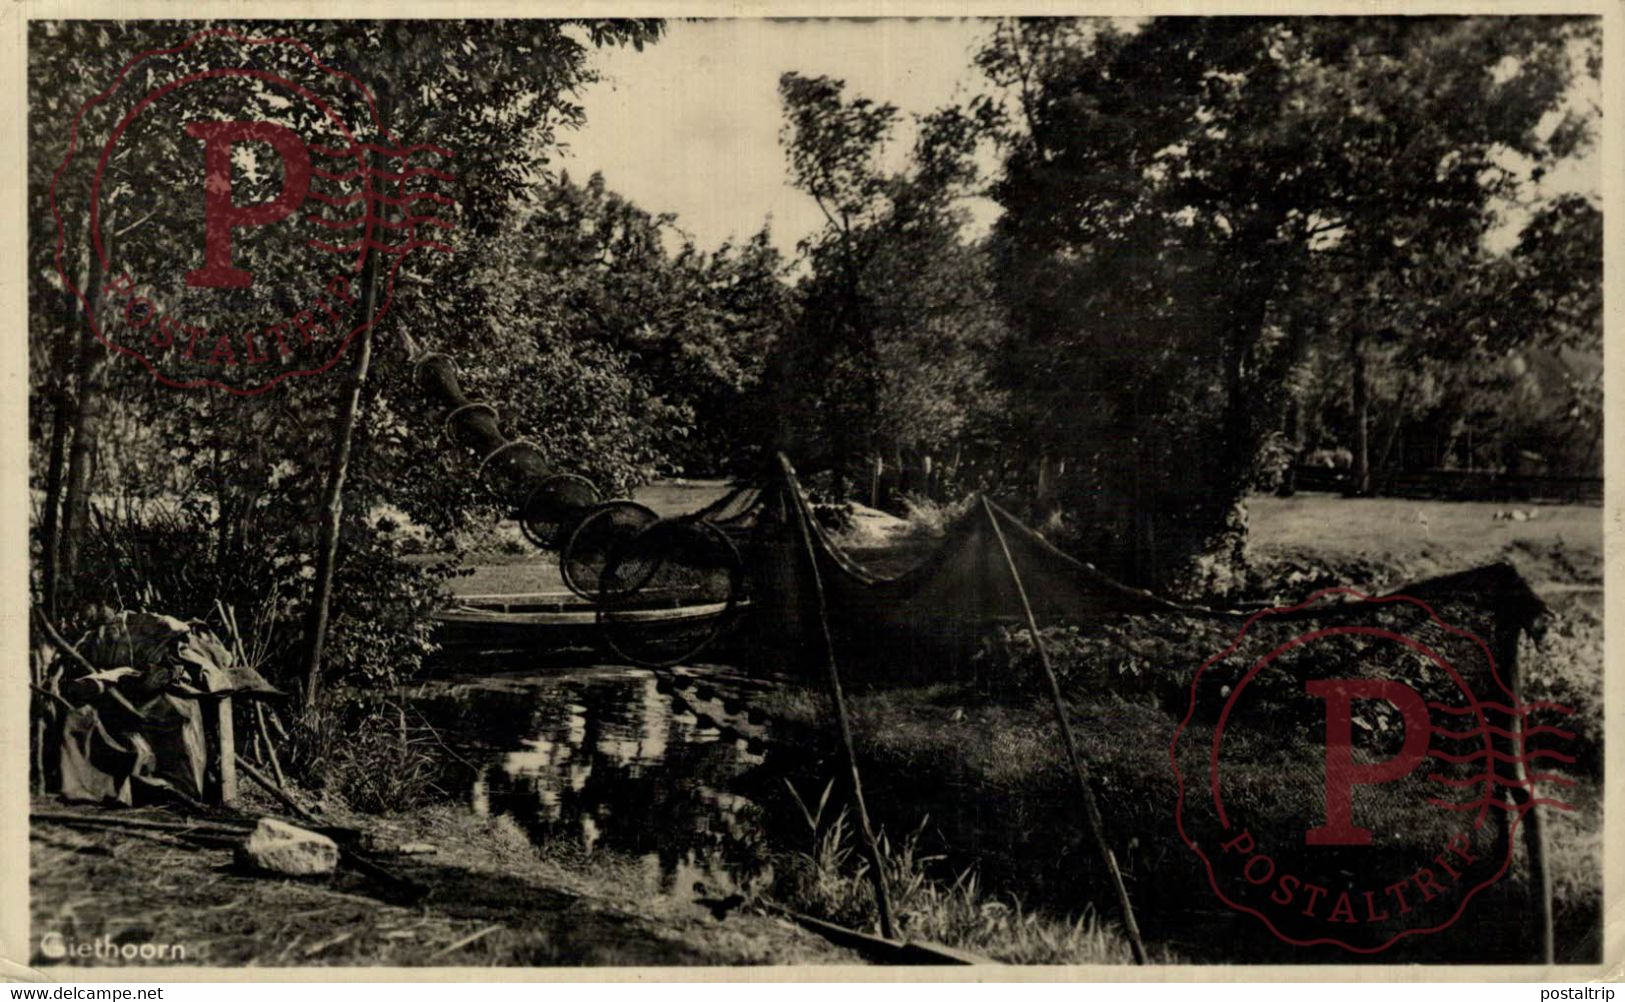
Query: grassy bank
column 493, row 900
column 985, row 785
column 830, row 879
column 1432, row 537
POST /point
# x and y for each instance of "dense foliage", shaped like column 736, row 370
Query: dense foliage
column 231, row 485
column 1196, row 210
column 888, row 358
column 1224, row 246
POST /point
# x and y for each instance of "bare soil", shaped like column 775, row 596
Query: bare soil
column 491, row 901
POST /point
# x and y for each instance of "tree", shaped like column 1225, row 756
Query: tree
column 897, row 316
column 1554, row 308
column 1177, row 193
column 496, row 92
column 697, row 326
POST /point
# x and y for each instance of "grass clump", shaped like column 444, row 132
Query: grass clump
column 370, row 754
column 928, row 518
column 831, row 879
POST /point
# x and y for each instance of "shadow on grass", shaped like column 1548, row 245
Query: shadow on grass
column 990, row 776
column 90, row 885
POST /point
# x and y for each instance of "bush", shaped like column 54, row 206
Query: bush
column 929, row 518
column 163, row 554
column 1007, row 660
column 831, row 880
column 380, row 630
column 1565, row 666
column 370, row 753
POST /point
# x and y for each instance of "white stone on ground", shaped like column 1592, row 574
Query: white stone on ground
column 287, row 849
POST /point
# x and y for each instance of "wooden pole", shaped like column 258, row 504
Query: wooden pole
column 226, row 732
column 41, row 742
column 270, row 745
column 1531, row 822
column 871, row 849
column 62, row 403
column 1080, row 769
column 278, row 792
column 85, row 427
column 332, row 510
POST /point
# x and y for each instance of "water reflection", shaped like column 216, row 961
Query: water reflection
column 601, row 759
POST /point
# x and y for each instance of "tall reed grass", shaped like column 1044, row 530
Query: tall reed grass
column 830, row 879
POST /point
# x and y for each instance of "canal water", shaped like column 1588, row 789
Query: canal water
column 657, row 770
column 678, row 775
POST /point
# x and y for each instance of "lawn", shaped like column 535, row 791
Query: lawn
column 511, row 565
column 1400, row 539
column 1553, row 543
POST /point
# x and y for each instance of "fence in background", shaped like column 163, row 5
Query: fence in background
column 1458, row 485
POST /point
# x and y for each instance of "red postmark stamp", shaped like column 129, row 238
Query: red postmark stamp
column 233, row 211
column 1358, row 779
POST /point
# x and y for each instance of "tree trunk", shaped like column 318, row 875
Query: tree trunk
column 65, row 356
column 1237, row 445
column 1256, row 277
column 1388, row 439
column 86, row 429
column 62, row 408
column 1292, row 430
column 226, row 498
column 1396, row 420
column 1044, row 489
column 1220, row 524
column 50, row 536
column 332, row 510
column 1361, row 472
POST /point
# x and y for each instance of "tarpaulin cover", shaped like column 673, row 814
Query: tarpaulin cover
column 136, row 716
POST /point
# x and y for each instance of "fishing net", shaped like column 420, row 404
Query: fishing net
column 547, row 503
column 596, row 539
column 930, row 622
column 553, row 508
column 735, row 512
column 670, row 591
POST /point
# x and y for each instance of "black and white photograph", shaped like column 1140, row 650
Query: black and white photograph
column 810, row 493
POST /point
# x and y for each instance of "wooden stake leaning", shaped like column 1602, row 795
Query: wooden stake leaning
column 1091, row 810
column 870, row 848
column 270, row 746
column 1525, row 797
column 332, row 510
column 278, row 792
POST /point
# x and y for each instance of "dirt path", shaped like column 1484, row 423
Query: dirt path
column 491, row 902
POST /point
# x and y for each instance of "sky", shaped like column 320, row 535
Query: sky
column 691, row 124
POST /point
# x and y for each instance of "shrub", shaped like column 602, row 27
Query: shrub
column 163, row 554
column 1007, row 660
column 831, row 880
column 1565, row 666
column 928, row 518
column 369, row 753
